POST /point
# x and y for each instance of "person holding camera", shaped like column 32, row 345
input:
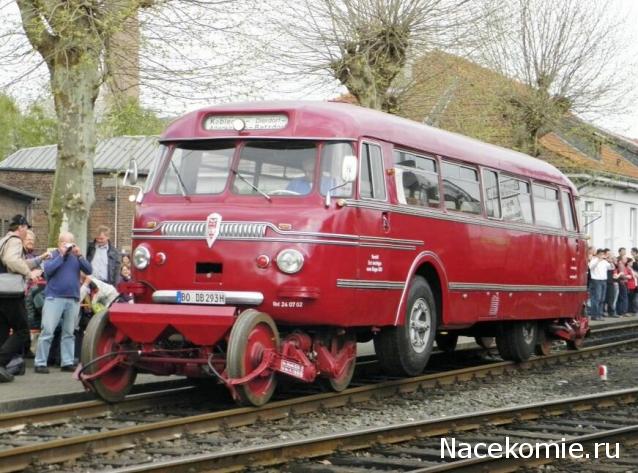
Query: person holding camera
column 62, row 301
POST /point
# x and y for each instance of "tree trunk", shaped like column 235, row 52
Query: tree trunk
column 75, row 90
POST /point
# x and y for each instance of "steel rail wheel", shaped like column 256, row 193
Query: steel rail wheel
column 405, row 349
column 518, row 340
column 446, row 342
column 341, row 382
column 544, row 344
column 485, row 342
column 575, row 344
column 100, row 339
column 252, row 334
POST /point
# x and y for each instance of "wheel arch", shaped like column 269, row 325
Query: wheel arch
column 429, row 266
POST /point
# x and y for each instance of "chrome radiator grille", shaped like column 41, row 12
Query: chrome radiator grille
column 227, row 230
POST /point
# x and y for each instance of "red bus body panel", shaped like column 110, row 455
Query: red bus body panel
column 360, row 256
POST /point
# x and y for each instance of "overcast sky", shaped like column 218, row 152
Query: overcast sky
column 26, row 91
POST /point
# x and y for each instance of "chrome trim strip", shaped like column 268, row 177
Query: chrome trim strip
column 462, row 286
column 456, row 217
column 289, row 240
column 369, row 284
column 232, row 297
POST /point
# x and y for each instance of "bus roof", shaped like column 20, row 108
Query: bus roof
column 323, row 120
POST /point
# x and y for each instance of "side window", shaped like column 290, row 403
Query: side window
column 417, row 180
column 516, row 200
column 461, row 188
column 570, row 223
column 372, row 184
column 546, row 206
column 492, row 194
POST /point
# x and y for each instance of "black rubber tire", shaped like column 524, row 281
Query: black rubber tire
column 117, row 383
column 517, row 341
column 393, row 346
column 247, row 321
column 446, row 342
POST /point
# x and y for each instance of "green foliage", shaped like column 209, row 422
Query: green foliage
column 37, row 128
column 130, row 119
column 9, row 114
column 18, row 130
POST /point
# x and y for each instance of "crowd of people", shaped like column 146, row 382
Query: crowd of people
column 613, row 283
column 63, row 289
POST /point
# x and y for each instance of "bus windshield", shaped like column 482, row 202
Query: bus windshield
column 267, row 167
column 290, row 168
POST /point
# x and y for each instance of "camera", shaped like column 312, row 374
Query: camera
column 68, row 247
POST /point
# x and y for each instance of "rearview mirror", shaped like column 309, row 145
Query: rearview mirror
column 349, row 168
column 131, row 175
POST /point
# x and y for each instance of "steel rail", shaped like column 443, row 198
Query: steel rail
column 95, row 408
column 55, row 451
column 282, row 452
column 86, row 409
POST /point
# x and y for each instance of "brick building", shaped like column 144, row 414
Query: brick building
column 30, row 171
column 14, row 201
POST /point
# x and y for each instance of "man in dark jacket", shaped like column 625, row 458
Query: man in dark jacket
column 104, row 258
column 62, row 302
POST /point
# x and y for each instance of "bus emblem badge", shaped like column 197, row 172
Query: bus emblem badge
column 213, row 226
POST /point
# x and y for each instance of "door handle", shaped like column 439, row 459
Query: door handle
column 385, row 221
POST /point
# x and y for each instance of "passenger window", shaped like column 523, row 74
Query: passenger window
column 516, row 201
column 372, row 182
column 546, row 206
column 570, row 222
column 416, row 179
column 492, row 200
column 461, row 188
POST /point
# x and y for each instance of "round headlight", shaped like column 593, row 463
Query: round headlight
column 290, row 261
column 141, row 257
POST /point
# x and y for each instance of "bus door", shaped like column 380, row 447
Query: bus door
column 379, row 286
column 575, row 248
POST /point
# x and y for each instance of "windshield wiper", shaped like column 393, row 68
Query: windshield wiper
column 182, row 187
column 237, row 173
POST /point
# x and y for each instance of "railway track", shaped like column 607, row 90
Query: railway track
column 58, row 443
column 592, row 427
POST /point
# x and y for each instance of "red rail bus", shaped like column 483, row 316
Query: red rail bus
column 270, row 238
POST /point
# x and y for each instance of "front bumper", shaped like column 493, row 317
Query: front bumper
column 232, row 297
column 201, row 325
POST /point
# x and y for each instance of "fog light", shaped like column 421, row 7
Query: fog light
column 290, row 261
column 160, row 258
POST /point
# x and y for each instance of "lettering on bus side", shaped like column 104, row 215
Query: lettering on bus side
column 375, row 265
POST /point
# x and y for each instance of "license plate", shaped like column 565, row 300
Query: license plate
column 201, row 297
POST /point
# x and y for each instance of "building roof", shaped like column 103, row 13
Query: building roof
column 18, row 193
column 111, row 155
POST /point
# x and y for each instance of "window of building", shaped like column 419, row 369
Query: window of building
column 516, row 201
column 609, row 226
column 546, row 208
column 492, row 194
column 632, row 227
column 372, row 182
column 461, row 188
column 570, row 223
column 417, row 180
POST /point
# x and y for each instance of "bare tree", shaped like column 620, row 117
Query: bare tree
column 365, row 44
column 561, row 56
column 84, row 44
